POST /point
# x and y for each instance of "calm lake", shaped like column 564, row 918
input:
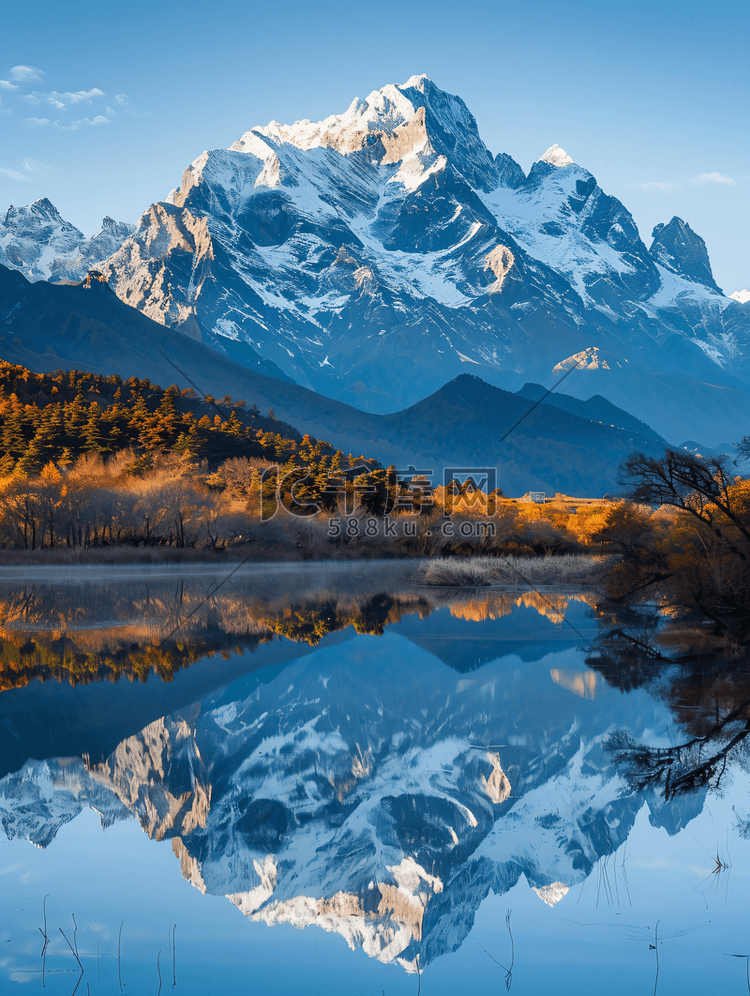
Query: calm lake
column 324, row 778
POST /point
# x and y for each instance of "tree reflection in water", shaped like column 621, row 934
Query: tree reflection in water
column 706, row 684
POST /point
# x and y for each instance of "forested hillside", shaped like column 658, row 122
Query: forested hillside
column 88, row 460
column 60, row 416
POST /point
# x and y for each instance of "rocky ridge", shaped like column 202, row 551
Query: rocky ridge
column 37, row 240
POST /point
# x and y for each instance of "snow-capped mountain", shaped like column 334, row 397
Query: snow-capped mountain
column 372, row 790
column 376, row 254
column 43, row 796
column 36, row 240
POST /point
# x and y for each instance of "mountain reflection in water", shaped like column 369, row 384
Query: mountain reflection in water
column 379, row 788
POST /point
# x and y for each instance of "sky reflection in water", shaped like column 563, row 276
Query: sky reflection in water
column 395, row 794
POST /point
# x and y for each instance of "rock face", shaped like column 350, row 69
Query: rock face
column 680, row 250
column 374, row 255
column 36, row 240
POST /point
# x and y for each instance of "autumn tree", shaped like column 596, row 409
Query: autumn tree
column 701, row 559
column 699, row 486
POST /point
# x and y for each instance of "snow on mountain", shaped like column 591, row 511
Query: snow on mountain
column 402, row 120
column 362, row 790
column 31, row 237
column 552, row 893
column 742, row 296
column 36, row 240
column 562, row 218
column 43, row 796
column 371, row 255
column 556, row 156
column 679, row 249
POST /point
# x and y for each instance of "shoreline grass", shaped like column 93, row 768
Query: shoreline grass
column 483, row 572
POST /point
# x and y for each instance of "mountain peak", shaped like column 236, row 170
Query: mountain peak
column 45, row 206
column 556, row 156
column 424, row 116
column 39, row 242
column 552, row 893
column 381, row 112
column 677, row 248
column 42, row 208
column 117, row 229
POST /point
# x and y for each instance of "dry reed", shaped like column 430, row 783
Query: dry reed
column 481, row 572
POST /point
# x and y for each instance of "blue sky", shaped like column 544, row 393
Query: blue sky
column 102, row 106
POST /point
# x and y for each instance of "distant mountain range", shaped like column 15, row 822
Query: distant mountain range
column 37, row 240
column 377, row 254
column 574, row 447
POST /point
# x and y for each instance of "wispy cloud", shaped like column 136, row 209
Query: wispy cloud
column 13, row 174
column 26, row 74
column 654, row 187
column 715, row 178
column 82, row 123
column 20, row 87
column 40, row 169
column 62, row 101
column 69, row 99
column 31, row 168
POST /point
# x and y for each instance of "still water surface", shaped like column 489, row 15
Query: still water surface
column 326, row 779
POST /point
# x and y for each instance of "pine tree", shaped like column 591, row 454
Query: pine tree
column 94, row 440
column 115, row 424
column 75, row 418
column 139, row 420
column 40, row 451
column 14, row 439
column 233, row 426
column 192, row 443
